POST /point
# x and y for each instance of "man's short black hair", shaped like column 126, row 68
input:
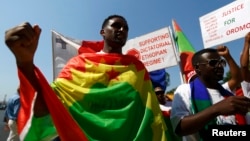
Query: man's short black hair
column 111, row 17
column 196, row 57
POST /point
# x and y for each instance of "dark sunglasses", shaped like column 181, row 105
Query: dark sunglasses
column 215, row 62
column 159, row 92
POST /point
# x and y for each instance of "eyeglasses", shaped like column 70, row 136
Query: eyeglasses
column 159, row 92
column 215, row 62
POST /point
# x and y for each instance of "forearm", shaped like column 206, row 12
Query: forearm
column 234, row 68
column 235, row 71
column 186, row 126
column 27, row 69
column 244, row 62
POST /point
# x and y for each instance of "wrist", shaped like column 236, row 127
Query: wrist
column 25, row 64
column 228, row 57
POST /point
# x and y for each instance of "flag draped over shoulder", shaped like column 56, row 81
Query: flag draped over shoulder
column 95, row 97
column 186, row 51
column 64, row 48
column 36, row 129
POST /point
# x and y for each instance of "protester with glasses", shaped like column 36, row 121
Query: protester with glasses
column 245, row 71
column 205, row 101
column 164, row 103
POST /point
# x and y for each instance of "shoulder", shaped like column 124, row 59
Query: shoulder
column 14, row 97
column 183, row 91
column 183, row 88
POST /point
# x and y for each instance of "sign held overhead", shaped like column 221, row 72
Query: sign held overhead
column 226, row 24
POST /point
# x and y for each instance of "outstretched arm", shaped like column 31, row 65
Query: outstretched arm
column 244, row 59
column 22, row 40
column 236, row 78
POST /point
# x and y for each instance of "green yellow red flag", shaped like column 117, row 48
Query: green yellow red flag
column 95, row 97
column 186, row 51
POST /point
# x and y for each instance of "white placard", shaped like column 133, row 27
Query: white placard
column 156, row 49
column 228, row 23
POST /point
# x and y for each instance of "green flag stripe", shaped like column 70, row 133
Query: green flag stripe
column 108, row 114
column 183, row 43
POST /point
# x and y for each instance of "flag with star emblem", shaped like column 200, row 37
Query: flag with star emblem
column 96, row 96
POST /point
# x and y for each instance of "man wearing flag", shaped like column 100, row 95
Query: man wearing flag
column 96, row 96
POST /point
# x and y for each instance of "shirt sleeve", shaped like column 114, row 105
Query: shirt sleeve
column 16, row 107
column 181, row 105
column 245, row 88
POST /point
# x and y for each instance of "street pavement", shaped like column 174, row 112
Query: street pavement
column 3, row 132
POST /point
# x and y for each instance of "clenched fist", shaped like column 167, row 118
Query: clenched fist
column 22, row 40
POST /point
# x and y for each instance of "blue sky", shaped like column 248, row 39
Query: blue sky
column 82, row 19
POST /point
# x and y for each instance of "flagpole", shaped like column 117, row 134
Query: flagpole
column 177, row 56
column 182, row 76
column 53, row 62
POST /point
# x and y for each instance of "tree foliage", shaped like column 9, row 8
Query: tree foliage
column 227, row 77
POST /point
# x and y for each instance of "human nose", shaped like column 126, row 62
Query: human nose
column 121, row 28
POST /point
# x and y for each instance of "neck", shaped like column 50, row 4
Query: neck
column 210, row 84
column 108, row 49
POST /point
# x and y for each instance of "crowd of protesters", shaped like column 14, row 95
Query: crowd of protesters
column 196, row 105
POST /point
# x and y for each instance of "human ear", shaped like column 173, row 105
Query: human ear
column 102, row 32
column 197, row 70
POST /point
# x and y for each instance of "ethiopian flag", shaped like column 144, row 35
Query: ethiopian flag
column 186, row 51
column 96, row 96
